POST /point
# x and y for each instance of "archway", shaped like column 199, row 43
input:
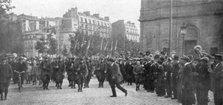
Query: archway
column 191, row 39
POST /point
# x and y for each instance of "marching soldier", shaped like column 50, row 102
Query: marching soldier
column 5, row 76
column 90, row 73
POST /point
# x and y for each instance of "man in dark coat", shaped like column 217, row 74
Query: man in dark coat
column 167, row 69
column 202, row 82
column 90, row 73
column 5, row 76
column 217, row 75
column 187, row 82
column 129, row 73
column 115, row 77
column 175, row 76
column 160, row 83
column 138, row 71
column 148, row 76
column 100, row 73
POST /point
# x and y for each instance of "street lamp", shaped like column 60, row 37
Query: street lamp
column 183, row 31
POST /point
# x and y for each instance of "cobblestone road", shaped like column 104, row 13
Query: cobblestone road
column 33, row 95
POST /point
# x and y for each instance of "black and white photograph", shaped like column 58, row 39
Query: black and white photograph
column 111, row 52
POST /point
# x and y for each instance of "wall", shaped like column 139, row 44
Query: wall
column 204, row 16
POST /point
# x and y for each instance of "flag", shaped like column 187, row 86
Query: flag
column 102, row 41
column 89, row 44
column 116, row 45
column 106, row 46
column 83, row 42
column 75, row 44
column 112, row 46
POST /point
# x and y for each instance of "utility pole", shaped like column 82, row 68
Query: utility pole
column 170, row 28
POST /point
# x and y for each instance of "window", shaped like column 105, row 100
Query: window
column 85, row 20
column 89, row 21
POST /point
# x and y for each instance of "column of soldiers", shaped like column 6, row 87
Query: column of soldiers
column 170, row 77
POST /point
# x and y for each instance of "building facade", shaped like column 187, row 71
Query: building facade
column 86, row 23
column 34, row 28
column 202, row 19
column 126, row 29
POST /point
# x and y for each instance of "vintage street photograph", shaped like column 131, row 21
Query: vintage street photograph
column 111, row 52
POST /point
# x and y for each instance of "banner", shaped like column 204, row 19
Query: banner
column 116, row 45
column 102, row 41
column 112, row 46
column 106, row 45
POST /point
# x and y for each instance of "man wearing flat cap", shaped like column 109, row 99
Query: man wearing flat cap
column 217, row 74
column 115, row 77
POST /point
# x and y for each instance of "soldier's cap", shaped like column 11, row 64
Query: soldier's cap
column 186, row 58
column 205, row 59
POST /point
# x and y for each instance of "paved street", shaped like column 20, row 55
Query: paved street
column 32, row 95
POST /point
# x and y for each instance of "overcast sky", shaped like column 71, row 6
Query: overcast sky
column 115, row 9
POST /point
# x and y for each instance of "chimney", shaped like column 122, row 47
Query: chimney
column 106, row 18
column 87, row 13
column 96, row 15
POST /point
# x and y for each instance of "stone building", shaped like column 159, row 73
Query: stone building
column 34, row 28
column 127, row 29
column 86, row 23
column 202, row 19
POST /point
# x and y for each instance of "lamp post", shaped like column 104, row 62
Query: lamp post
column 170, row 26
column 183, row 31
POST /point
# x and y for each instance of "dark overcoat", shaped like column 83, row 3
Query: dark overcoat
column 116, row 74
column 5, row 75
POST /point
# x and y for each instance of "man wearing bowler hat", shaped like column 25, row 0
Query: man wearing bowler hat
column 115, row 77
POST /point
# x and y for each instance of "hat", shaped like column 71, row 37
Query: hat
column 110, row 60
column 206, row 59
column 169, row 59
column 156, row 57
column 187, row 59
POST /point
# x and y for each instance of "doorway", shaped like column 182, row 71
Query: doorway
column 189, row 46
